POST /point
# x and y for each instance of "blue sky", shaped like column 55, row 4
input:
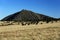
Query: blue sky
column 46, row 7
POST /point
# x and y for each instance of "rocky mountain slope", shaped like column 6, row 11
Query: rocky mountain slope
column 27, row 15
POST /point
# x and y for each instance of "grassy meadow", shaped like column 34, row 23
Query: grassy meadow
column 44, row 31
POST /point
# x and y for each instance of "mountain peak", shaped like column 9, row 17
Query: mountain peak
column 26, row 11
column 27, row 15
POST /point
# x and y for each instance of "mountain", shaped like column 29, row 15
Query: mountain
column 27, row 15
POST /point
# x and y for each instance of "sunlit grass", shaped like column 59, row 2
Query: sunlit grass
column 50, row 33
column 45, row 31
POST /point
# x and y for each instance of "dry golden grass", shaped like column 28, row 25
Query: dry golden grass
column 52, row 33
column 45, row 31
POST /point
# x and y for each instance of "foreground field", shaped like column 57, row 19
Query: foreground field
column 50, row 31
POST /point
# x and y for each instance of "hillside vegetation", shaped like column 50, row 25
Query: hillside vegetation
column 27, row 15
